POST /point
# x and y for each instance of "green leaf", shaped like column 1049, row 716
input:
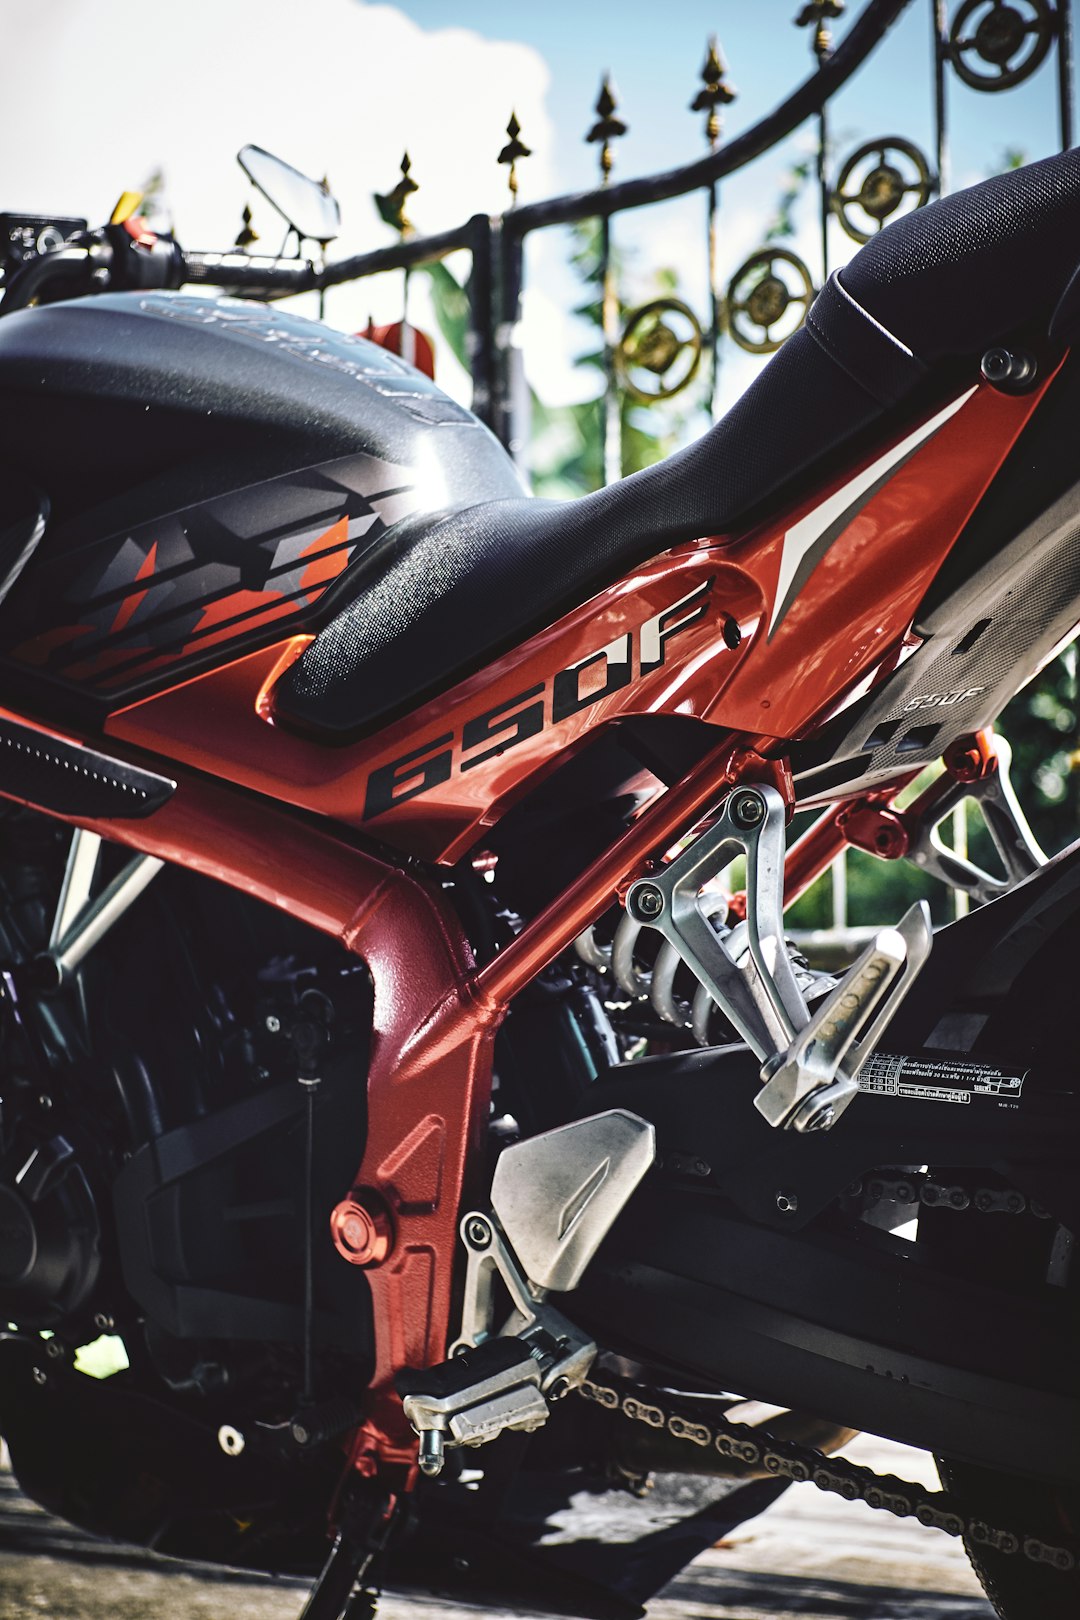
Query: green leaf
column 450, row 301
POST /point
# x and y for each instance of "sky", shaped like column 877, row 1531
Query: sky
column 97, row 94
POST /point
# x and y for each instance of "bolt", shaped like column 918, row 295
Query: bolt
column 40, row 1377
column 814, row 1116
column 747, row 808
column 104, row 1322
column 431, row 1452
column 44, row 1102
column 966, row 765
column 1008, row 369
column 646, row 902
column 55, row 1349
column 273, row 1023
column 477, row 1232
column 786, row 1203
column 822, row 1119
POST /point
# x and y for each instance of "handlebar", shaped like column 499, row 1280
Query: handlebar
column 120, row 258
column 250, row 273
column 64, row 267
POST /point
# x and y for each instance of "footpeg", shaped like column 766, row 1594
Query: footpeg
column 808, row 1087
column 555, row 1197
column 472, row 1398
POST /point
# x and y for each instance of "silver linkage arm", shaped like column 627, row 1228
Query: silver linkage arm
column 809, row 1062
column 766, row 1006
column 1005, row 821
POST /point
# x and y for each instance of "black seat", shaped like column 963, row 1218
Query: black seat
column 927, row 296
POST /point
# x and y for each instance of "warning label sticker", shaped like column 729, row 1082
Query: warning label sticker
column 948, row 1080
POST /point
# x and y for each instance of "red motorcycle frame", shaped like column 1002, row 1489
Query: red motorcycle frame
column 704, row 630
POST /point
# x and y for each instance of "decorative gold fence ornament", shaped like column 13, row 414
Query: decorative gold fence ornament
column 392, row 206
column 247, row 235
column 659, row 351
column 716, row 92
column 607, row 128
column 1012, row 37
column 759, row 298
column 512, row 154
column 874, row 183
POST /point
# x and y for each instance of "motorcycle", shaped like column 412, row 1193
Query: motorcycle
column 403, row 1128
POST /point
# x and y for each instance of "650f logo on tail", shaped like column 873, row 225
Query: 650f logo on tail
column 524, row 715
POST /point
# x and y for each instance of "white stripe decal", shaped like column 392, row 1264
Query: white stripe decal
column 803, row 535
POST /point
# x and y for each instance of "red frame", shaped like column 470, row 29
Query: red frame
column 436, row 1015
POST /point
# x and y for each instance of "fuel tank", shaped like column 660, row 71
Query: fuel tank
column 208, row 470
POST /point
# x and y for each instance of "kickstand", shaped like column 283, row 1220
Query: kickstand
column 363, row 1533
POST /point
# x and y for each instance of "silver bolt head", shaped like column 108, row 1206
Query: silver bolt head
column 748, row 808
column 646, row 902
column 478, row 1232
column 273, row 1023
column 40, row 1376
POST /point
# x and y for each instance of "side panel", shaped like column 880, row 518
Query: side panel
column 768, row 634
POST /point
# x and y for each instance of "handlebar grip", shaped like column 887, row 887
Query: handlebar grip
column 248, row 272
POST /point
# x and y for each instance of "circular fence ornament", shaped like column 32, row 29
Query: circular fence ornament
column 874, row 183
column 1010, row 38
column 659, row 351
column 773, row 289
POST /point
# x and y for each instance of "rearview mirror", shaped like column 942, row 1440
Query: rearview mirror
column 303, row 203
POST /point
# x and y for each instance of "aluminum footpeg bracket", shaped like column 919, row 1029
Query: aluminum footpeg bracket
column 767, row 1008
column 809, row 1061
column 554, row 1199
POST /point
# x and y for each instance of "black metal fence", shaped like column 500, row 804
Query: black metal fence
column 652, row 352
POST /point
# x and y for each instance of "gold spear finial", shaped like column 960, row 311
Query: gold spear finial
column 246, row 236
column 512, row 153
column 717, row 92
column 817, row 14
column 607, row 128
column 392, row 206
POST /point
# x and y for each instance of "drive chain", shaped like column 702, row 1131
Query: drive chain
column 786, row 1459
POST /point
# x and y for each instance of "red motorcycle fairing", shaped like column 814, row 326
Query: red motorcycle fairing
column 760, row 636
column 739, row 632
column 435, row 1016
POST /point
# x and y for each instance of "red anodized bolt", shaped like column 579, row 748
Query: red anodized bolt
column 362, row 1229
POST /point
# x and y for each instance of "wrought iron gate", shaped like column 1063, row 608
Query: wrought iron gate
column 988, row 45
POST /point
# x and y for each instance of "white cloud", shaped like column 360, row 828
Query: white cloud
column 96, row 94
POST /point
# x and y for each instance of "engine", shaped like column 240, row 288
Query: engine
column 154, row 1230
